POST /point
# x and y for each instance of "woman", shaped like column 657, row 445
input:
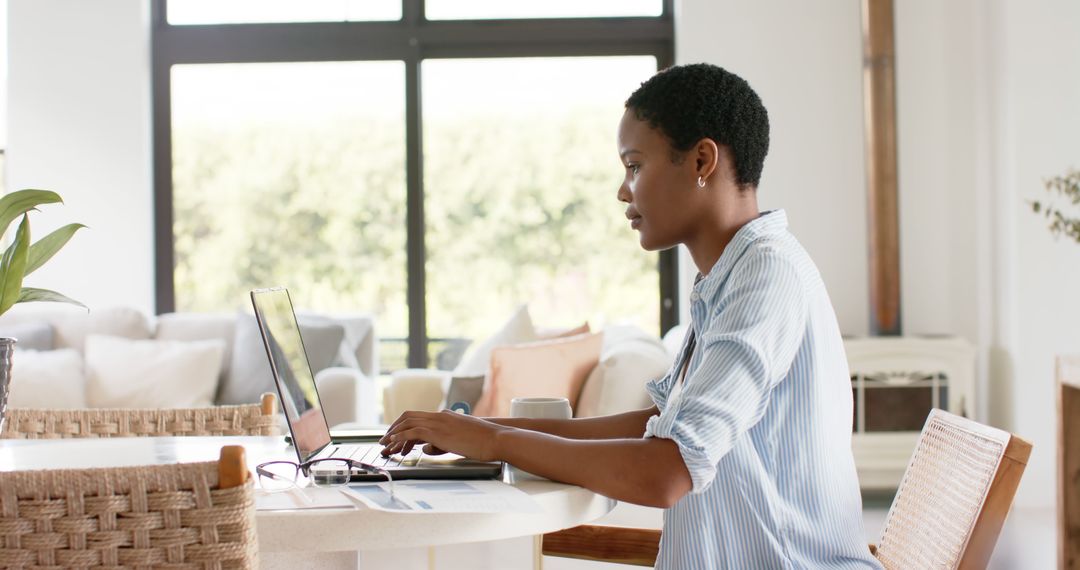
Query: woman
column 748, row 447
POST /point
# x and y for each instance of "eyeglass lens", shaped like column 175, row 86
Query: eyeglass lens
column 277, row 475
column 281, row 475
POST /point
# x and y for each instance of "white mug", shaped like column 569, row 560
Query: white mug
column 544, row 408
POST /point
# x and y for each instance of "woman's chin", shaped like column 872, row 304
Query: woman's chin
column 648, row 244
column 653, row 243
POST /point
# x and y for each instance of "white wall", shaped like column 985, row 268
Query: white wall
column 79, row 124
column 1041, row 120
column 804, row 60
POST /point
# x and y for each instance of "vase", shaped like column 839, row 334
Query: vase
column 7, row 349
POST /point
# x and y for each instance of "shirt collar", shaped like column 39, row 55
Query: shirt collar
column 771, row 223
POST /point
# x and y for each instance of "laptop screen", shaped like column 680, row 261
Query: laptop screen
column 289, row 363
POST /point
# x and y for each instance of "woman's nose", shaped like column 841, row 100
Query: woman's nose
column 624, row 193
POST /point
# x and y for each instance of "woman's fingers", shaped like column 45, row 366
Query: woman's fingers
column 405, row 421
column 432, row 450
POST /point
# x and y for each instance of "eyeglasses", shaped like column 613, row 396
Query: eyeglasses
column 329, row 472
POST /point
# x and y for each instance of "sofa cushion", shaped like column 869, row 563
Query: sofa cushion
column 72, row 325
column 466, row 389
column 249, row 371
column 517, row 330
column 31, row 335
column 199, row 326
column 358, row 348
column 550, row 333
column 51, row 379
column 124, row 373
column 617, row 384
column 552, row 368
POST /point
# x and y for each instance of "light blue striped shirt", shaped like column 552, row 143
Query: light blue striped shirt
column 763, row 417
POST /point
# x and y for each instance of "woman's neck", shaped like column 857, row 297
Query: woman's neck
column 709, row 242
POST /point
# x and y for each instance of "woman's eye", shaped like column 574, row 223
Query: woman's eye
column 634, row 167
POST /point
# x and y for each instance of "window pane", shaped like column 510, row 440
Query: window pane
column 181, row 12
column 498, row 9
column 291, row 174
column 521, row 173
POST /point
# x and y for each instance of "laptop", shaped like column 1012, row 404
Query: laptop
column 303, row 409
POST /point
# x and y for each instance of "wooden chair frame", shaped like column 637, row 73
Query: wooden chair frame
column 1068, row 460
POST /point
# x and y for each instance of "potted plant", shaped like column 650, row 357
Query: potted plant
column 1061, row 223
column 20, row 259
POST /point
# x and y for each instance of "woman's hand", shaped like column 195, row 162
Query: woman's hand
column 443, row 431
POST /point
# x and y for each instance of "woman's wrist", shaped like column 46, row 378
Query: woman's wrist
column 501, row 442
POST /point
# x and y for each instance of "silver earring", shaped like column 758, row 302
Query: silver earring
column 700, row 182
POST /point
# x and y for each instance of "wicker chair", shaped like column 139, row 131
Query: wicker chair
column 247, row 419
column 947, row 513
column 188, row 515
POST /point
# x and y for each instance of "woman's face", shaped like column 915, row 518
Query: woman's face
column 662, row 197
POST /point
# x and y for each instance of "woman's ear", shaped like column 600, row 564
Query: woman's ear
column 706, row 157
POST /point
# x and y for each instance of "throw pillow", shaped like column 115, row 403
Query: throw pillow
column 617, row 384
column 31, row 335
column 466, row 389
column 199, row 326
column 50, row 379
column 125, row 373
column 357, row 343
column 546, row 334
column 553, row 368
column 517, row 330
column 249, row 372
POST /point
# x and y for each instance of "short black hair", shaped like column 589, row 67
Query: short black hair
column 691, row 102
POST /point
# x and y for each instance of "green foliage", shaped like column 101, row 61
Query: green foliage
column 21, row 257
column 1060, row 222
column 518, row 209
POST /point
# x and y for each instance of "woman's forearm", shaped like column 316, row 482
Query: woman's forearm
column 645, row 471
column 617, row 426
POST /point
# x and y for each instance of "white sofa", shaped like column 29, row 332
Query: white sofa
column 346, row 386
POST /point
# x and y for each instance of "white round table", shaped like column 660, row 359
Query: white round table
column 323, row 537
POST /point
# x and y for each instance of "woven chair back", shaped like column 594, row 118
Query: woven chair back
column 153, row 516
column 246, row 419
column 954, row 495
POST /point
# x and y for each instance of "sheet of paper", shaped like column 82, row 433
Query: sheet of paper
column 302, row 498
column 447, row 496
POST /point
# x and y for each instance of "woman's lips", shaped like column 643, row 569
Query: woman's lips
column 635, row 223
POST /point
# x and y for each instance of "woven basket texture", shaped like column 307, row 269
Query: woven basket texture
column 133, row 517
column 246, row 419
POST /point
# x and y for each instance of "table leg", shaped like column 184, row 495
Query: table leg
column 322, row 560
column 538, row 552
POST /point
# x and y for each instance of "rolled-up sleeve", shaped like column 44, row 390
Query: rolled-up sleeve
column 744, row 350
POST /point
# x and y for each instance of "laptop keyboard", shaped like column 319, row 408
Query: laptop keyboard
column 372, row 455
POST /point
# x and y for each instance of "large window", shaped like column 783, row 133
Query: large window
column 290, row 173
column 434, row 169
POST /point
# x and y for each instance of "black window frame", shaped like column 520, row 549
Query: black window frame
column 410, row 40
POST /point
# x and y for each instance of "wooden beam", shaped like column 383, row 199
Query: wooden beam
column 879, row 104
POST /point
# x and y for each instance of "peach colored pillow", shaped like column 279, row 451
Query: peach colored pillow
column 552, row 368
column 551, row 334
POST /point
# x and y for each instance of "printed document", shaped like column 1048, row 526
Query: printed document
column 444, row 496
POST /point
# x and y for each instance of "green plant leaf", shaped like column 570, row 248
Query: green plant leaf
column 13, row 266
column 33, row 294
column 19, row 202
column 47, row 246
